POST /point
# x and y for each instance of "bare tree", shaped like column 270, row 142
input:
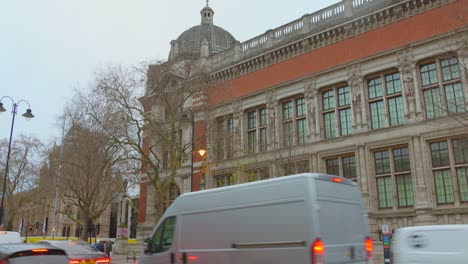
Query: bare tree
column 22, row 174
column 144, row 111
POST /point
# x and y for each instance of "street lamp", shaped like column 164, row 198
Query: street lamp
column 28, row 114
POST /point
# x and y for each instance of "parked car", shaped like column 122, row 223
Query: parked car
column 430, row 244
column 304, row 218
column 32, row 254
column 10, row 237
column 78, row 251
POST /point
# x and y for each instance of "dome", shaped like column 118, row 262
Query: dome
column 218, row 39
column 205, row 39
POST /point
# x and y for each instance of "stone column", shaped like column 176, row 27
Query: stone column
column 237, row 118
column 421, row 195
column 310, row 91
column 129, row 218
column 363, row 175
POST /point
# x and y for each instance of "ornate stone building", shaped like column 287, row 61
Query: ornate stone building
column 372, row 90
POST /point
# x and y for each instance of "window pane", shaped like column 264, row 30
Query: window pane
column 429, row 74
column 393, row 83
column 328, row 99
column 385, row 193
column 287, row 111
column 301, row 107
column 395, row 108
column 288, row 133
column 375, row 88
column 301, row 131
column 450, row 69
column 263, row 139
column 444, row 186
column 433, row 104
column 333, row 167
column 401, row 159
column 405, row 190
column 330, row 125
column 455, row 98
column 462, row 174
column 344, row 97
column 263, row 117
column 349, row 167
column 460, row 149
column 252, row 120
column 346, row 124
column 382, row 162
column 377, row 114
column 439, row 153
column 252, row 137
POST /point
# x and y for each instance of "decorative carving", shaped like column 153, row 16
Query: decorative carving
column 348, row 29
column 398, row 12
column 271, row 105
column 354, row 79
column 310, row 91
column 406, row 62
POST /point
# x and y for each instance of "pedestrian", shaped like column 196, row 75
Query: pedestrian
column 101, row 246
column 108, row 248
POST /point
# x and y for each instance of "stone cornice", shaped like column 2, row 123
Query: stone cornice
column 229, row 65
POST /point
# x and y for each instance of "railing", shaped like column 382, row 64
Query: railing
column 307, row 24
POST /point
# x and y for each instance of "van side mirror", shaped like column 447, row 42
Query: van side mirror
column 146, row 246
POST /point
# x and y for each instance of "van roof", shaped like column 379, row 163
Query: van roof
column 431, row 227
column 319, row 176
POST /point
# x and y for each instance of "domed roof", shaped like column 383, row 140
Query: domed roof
column 218, row 39
column 190, row 41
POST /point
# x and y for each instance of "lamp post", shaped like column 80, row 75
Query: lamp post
column 27, row 114
column 192, row 123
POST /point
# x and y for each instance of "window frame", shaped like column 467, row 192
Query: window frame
column 440, row 86
column 335, row 111
column 394, row 175
column 259, row 129
column 385, row 98
column 453, row 167
column 296, row 121
column 339, row 161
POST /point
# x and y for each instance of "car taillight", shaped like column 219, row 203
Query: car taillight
column 318, row 251
column 74, row 261
column 103, row 260
column 369, row 247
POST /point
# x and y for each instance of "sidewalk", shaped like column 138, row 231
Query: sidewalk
column 122, row 259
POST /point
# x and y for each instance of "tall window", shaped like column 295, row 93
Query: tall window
column 294, row 121
column 385, row 100
column 224, row 137
column 337, row 115
column 343, row 166
column 442, row 87
column 450, row 168
column 393, row 171
column 257, row 130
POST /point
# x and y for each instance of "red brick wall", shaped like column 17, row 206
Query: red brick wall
column 410, row 30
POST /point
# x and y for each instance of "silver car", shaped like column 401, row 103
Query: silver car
column 32, row 254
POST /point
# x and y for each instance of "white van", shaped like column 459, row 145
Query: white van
column 304, row 218
column 446, row 244
column 10, row 237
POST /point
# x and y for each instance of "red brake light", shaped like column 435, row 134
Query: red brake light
column 369, row 247
column 40, row 250
column 318, row 250
column 103, row 260
column 74, row 261
column 334, row 179
column 193, row 258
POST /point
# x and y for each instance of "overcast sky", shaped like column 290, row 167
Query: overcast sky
column 50, row 47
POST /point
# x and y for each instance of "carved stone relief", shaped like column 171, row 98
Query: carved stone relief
column 237, row 116
column 310, row 90
column 271, row 103
column 407, row 66
column 355, row 83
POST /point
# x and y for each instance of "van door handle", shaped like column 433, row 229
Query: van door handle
column 172, row 258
